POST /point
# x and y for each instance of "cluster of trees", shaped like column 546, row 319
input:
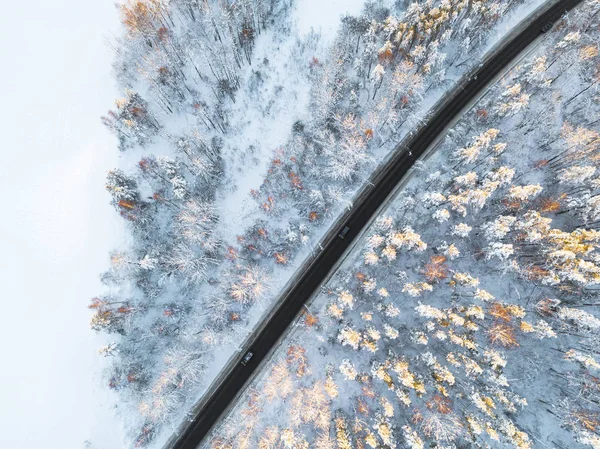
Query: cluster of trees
column 475, row 300
column 165, row 333
column 365, row 95
column 458, row 350
column 180, row 289
column 533, row 209
column 384, row 384
column 183, row 56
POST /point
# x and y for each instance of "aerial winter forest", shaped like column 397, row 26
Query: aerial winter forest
column 465, row 315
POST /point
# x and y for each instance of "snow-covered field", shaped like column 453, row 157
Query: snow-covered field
column 57, row 226
column 244, row 135
column 467, row 315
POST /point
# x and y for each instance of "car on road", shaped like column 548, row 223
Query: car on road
column 547, row 27
column 247, row 358
column 344, row 232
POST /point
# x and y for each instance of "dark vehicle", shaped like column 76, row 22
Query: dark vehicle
column 547, row 27
column 344, row 232
column 247, row 358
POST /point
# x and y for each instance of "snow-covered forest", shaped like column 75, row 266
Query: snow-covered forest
column 467, row 315
column 242, row 141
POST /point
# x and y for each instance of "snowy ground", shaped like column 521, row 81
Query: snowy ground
column 283, row 94
column 323, row 17
column 56, row 225
column 481, row 326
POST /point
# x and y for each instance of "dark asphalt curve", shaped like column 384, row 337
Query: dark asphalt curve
column 384, row 182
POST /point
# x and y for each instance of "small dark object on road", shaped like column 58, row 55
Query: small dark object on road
column 247, row 358
column 344, row 232
column 547, row 27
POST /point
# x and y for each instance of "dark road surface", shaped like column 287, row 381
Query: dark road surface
column 384, row 182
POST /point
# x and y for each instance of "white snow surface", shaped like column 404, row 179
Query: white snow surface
column 281, row 100
column 322, row 16
column 56, row 225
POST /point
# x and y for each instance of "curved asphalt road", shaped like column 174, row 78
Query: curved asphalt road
column 384, row 182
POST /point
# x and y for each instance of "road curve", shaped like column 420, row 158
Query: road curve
column 384, row 181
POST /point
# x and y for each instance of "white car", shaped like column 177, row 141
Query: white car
column 247, row 358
